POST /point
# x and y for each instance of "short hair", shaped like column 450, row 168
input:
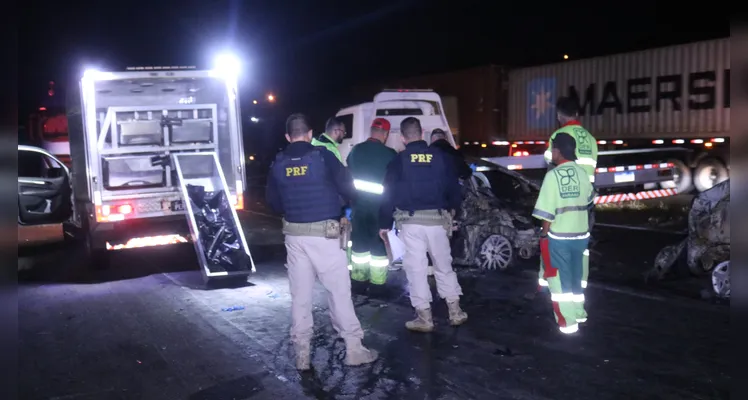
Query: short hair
column 567, row 107
column 411, row 128
column 297, row 125
column 332, row 123
column 438, row 132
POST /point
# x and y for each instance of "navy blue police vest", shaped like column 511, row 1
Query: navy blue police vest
column 422, row 179
column 306, row 189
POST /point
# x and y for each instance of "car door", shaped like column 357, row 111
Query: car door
column 44, row 191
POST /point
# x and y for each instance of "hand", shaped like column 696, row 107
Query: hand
column 383, row 233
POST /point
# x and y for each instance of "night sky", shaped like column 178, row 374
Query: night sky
column 309, row 53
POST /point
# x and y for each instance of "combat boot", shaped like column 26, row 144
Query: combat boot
column 423, row 322
column 357, row 354
column 456, row 315
column 303, row 356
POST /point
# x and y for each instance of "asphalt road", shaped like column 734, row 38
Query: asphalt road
column 148, row 328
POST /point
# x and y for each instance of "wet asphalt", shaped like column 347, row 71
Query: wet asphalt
column 149, row 328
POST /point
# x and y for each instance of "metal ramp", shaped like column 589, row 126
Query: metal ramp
column 214, row 224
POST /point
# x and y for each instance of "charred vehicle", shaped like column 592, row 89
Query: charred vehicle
column 495, row 224
column 707, row 247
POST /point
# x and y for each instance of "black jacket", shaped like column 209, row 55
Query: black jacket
column 458, row 160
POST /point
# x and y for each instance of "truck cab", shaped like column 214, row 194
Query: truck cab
column 131, row 133
column 395, row 106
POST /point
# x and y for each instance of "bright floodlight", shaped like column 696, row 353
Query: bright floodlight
column 227, row 65
column 96, row 75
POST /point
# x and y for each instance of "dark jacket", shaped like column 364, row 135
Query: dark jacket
column 458, row 160
column 419, row 178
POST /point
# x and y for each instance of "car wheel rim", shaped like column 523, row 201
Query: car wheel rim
column 495, row 253
column 721, row 279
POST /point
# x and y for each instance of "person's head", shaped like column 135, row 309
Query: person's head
column 566, row 109
column 438, row 134
column 298, row 128
column 411, row 130
column 335, row 129
column 564, row 148
column 380, row 129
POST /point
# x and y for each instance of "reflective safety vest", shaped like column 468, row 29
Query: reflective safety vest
column 564, row 201
column 327, row 142
column 586, row 147
column 306, row 189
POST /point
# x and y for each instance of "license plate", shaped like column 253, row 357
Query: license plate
column 622, row 177
column 177, row 205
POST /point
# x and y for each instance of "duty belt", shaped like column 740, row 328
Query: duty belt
column 424, row 217
column 329, row 229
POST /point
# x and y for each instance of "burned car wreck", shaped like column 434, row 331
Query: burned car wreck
column 707, row 247
column 494, row 223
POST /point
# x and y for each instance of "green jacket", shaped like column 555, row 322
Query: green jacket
column 367, row 163
column 327, row 142
column 564, row 201
column 586, row 147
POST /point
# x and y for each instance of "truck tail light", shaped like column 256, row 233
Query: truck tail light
column 104, row 213
column 239, row 203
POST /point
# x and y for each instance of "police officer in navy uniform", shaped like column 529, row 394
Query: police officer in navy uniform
column 422, row 195
column 305, row 185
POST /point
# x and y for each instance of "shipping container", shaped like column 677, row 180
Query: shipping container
column 479, row 94
column 671, row 92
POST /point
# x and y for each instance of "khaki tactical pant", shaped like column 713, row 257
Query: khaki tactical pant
column 310, row 257
column 418, row 240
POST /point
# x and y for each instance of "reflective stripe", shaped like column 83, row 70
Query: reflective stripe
column 542, row 282
column 562, row 210
column 579, row 298
column 350, row 244
column 548, row 155
column 376, row 262
column 592, row 178
column 368, row 187
column 543, row 215
column 580, row 320
column 584, row 284
column 586, row 161
column 562, row 297
column 586, row 252
column 569, row 236
column 357, row 259
column 350, row 267
column 569, row 329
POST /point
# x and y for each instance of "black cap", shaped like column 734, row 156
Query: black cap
column 566, row 145
column 438, row 131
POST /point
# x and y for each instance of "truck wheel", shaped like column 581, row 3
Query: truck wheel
column 682, row 177
column 709, row 172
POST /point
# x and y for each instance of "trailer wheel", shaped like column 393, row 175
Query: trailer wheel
column 709, row 172
column 681, row 176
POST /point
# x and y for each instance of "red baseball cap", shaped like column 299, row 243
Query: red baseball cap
column 381, row 123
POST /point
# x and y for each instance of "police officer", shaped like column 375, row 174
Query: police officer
column 305, row 186
column 421, row 194
column 567, row 112
column 562, row 206
column 367, row 163
column 331, row 137
column 439, row 140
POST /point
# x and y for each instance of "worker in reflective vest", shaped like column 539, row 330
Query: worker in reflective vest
column 331, row 137
column 367, row 163
column 567, row 112
column 562, row 206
